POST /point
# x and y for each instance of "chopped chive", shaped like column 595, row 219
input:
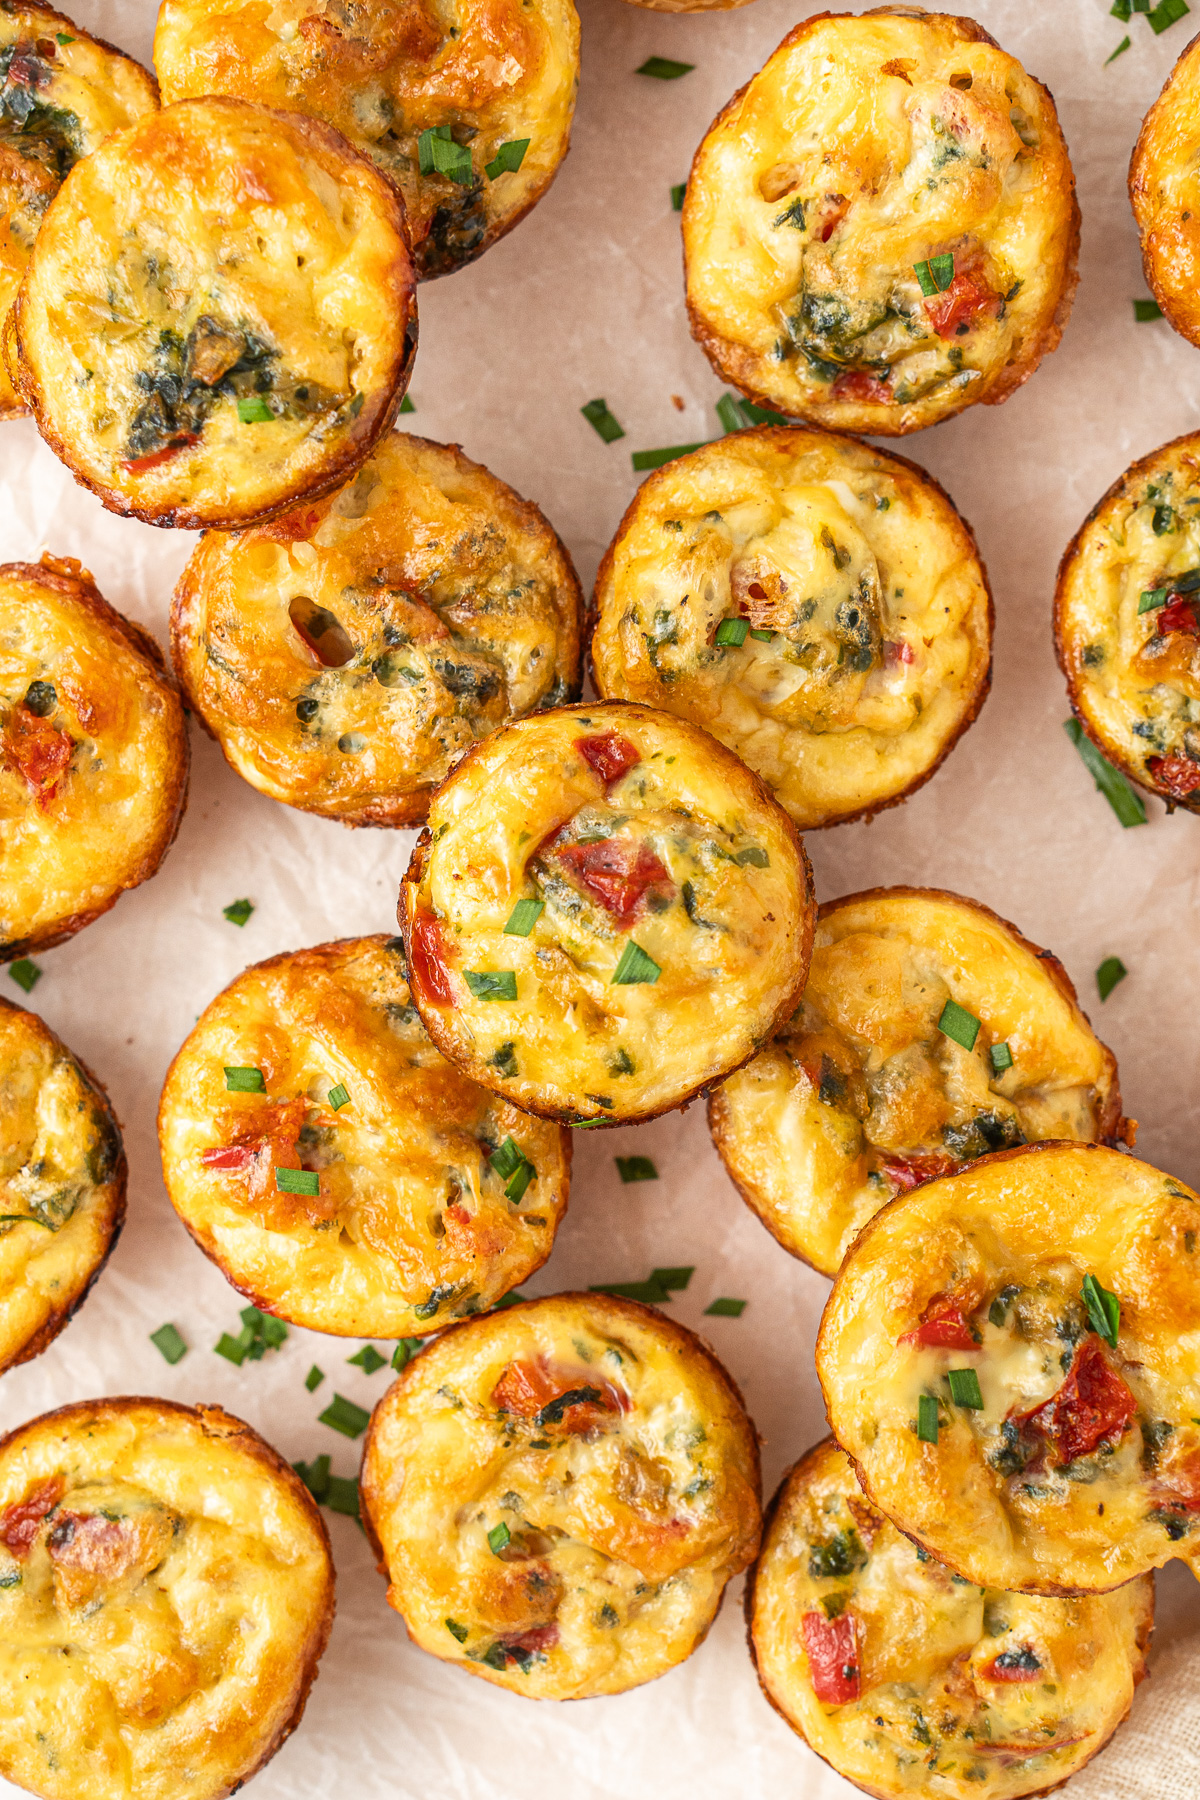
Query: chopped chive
column 342, row 1415
column 1145, row 311
column 298, row 1181
column 491, row 984
column 964, row 1388
column 755, row 855
column 764, row 637
column 63, row 37
column 1150, row 599
column 406, row 1349
column 406, row 405
column 457, row 1631
column 515, row 1190
column 338, row 1097
column 634, row 967
column 928, row 284
column 25, row 973
column 1121, row 9
column 264, row 1326
column 927, row 1419
column 635, row 1168
column 729, row 414
column 725, row 1309
column 252, row 409
column 651, row 1292
column 508, row 158
column 677, row 193
column 1104, row 1309
column 234, row 1349
column 583, row 1124
column 958, row 1024
column 507, row 1159
column 732, row 631
column 314, row 1378
column 602, row 421
column 654, row 459
column 761, row 415
column 942, row 270
column 523, row 917
column 1111, row 971
column 662, row 68
column 499, row 1538
column 167, row 1340
column 1111, row 783
column 315, row 1476
column 1120, row 50
column 513, row 1299
column 1001, row 1058
column 437, row 153
column 1166, row 14
column 368, row 1359
column 239, row 912
column 343, row 1496
column 674, row 1280
column 244, row 1081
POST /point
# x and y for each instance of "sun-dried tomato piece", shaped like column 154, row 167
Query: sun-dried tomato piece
column 138, row 465
column 427, row 963
column 860, row 384
column 943, row 1327
column 1020, row 1664
column 1179, row 775
column 39, row 752
column 1093, row 1404
column 1179, row 614
column 609, row 754
column 832, row 1648
column 897, row 651
column 574, row 1400
column 617, row 873
column 907, row 1172
column 956, row 309
column 227, row 1158
column 21, row 1522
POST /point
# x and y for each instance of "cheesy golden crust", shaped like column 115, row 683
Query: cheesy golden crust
column 218, row 317
column 1165, row 193
column 61, row 92
column 881, row 228
column 856, row 587
column 862, row 1096
column 910, row 1681
column 486, row 76
column 93, row 754
column 606, row 912
column 433, row 1198
column 62, row 1184
column 1127, row 623
column 1011, row 1356
column 345, row 656
column 166, row 1592
column 559, row 1494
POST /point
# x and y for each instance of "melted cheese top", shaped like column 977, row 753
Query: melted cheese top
column 1164, row 185
column 864, row 147
column 1102, row 1484
column 348, row 654
column 485, row 73
column 870, row 640
column 862, row 1096
column 956, row 1691
column 679, row 875
column 412, row 1225
column 165, row 1592
column 561, row 1492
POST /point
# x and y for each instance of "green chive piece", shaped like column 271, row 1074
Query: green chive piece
column 338, row 1097
column 513, row 1299
column 1111, row 971
column 677, row 193
column 63, row 37
column 264, row 1326
column 661, row 68
column 654, row 459
column 456, row 1630
column 1121, row 9
column 651, row 1293
column 927, row 1419
column 406, row 1349
column 942, row 270
column 1001, row 1058
column 491, row 984
column 761, row 415
column 602, row 421
column 958, row 1024
column 507, row 1159
column 673, row 1280
column 1104, row 1309
column 508, row 158
column 26, row 974
column 1120, row 50
column 167, row 1340
column 298, row 1181
column 239, row 912
column 499, row 1538
column 1111, row 783
column 1150, row 599
column 515, row 1190
column 635, row 1168
column 244, row 1081
column 754, row 855
column 729, row 414
column 343, row 1496
column 252, row 409
column 634, row 967
column 928, row 284
column 367, row 1359
column 1145, row 311
column 406, row 405
column 584, row 1124
column 437, row 153
column 315, row 1476
column 732, row 631
column 523, row 917
column 314, row 1378
column 342, row 1415
column 725, row 1309
column 1165, row 14
column 764, row 637
column 234, row 1349
column 964, row 1388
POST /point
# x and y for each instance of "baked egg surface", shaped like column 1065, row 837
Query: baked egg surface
column 1164, row 188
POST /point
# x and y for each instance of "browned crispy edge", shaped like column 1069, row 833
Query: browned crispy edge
column 1138, row 184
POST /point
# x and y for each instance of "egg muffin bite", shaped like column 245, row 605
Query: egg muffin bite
column 345, row 656
column 218, row 317
column 465, row 106
column 910, row 1681
column 881, row 227
column 62, row 1184
column 930, row 1033
column 166, row 1593
column 93, row 754
column 336, row 1169
column 559, row 1494
column 1165, row 193
column 1011, row 1356
column 61, row 92
column 606, row 912
column 1127, row 623
column 818, row 605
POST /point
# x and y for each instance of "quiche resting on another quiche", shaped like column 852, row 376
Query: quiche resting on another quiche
column 881, row 226
column 559, row 1493
column 1165, row 193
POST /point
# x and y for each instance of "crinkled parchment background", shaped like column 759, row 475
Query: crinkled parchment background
column 586, row 299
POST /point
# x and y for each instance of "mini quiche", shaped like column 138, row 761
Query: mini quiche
column 62, row 1184
column 166, row 1592
column 881, row 227
column 1011, row 1356
column 911, row 1681
column 1127, row 623
column 466, row 105
column 818, row 605
column 606, row 912
column 93, row 754
column 1165, row 192
column 336, row 1168
column 930, row 1033
column 218, row 317
column 61, row 92
column 559, row 1494
column 345, row 656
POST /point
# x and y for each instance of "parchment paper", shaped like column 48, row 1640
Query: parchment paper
column 586, row 299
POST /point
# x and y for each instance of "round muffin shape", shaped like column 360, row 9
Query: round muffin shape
column 466, row 107
column 93, row 754
column 218, row 318
column 559, row 1494
column 62, row 92
column 909, row 1681
column 606, row 912
column 867, row 1092
column 881, row 228
column 1127, row 623
column 1011, row 1356
column 166, row 1592
column 1165, row 194
column 337, row 1170
column 347, row 654
column 818, row 605
column 62, row 1184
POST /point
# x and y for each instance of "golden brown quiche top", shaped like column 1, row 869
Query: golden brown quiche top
column 465, row 104
column 881, row 227
column 346, row 655
column 1164, row 187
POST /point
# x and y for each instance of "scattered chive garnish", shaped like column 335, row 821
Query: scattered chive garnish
column 1150, row 599
column 406, row 1349
column 315, row 1476
column 232, row 1348
column 167, row 1340
column 732, row 631
column 651, row 1292
column 725, row 1309
column 338, row 1097
column 491, row 984
column 662, row 68
column 252, row 409
column 602, row 421
column 437, row 153
column 239, row 912
column 244, row 1081
column 654, row 459
column 513, row 1167
column 673, row 1279
column 1111, row 971
column 1144, row 311
column 958, row 1024
column 508, row 158
column 677, row 193
column 1120, row 50
column 367, row 1359
column 63, row 37
column 1001, row 1058
column 583, row 1124
column 499, row 1538
column 636, row 1168
column 634, row 967
column 298, row 1181
column 314, row 1378
column 523, row 917
column 260, row 1332
column 1104, row 1309
column 25, row 973
column 342, row 1415
column 406, row 405
column 513, row 1299
column 1166, row 14
column 964, row 1388
column 1111, row 783
column 764, row 637
column 755, row 855
column 457, row 1631
column 338, row 1492
column 935, row 275
column 727, row 411
column 927, row 1419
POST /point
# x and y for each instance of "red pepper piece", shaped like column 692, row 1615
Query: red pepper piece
column 959, row 305
column 427, row 968
column 832, row 1648
column 610, row 754
column 942, row 1328
column 527, row 1388
column 539, row 1638
column 1092, row 1404
column 860, row 384
column 1179, row 775
column 226, row 1157
column 1179, row 614
column 21, row 1522
column 898, row 652
column 39, row 752
column 617, row 873
column 1013, row 1665
column 907, row 1172
column 138, row 465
